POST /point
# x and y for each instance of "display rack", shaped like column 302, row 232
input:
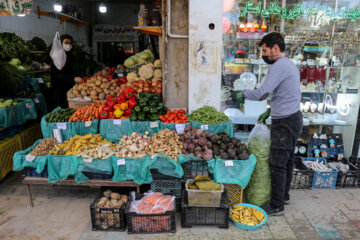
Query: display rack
column 156, row 31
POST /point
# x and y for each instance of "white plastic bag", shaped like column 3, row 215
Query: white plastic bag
column 57, row 52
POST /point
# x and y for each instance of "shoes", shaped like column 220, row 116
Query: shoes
column 273, row 211
column 287, row 200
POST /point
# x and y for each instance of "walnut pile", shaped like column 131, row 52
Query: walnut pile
column 44, row 147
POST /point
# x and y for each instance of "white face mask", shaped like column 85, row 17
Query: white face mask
column 67, row 47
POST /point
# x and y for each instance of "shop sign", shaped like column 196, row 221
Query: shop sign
column 15, row 7
column 300, row 10
column 113, row 32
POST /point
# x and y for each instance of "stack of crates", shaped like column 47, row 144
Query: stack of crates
column 8, row 147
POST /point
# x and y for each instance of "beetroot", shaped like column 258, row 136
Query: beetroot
column 208, row 155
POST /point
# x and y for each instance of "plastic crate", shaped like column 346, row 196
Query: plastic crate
column 323, row 179
column 100, row 176
column 202, row 198
column 235, row 193
column 150, row 223
column 107, row 219
column 30, row 135
column 11, row 131
column 209, row 216
column 349, row 179
column 31, row 172
column 194, row 168
column 156, row 175
column 302, row 179
column 167, row 187
column 7, row 149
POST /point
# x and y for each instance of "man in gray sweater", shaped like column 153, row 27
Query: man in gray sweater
column 283, row 83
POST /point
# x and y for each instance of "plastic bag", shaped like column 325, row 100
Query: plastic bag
column 152, row 203
column 57, row 52
column 258, row 191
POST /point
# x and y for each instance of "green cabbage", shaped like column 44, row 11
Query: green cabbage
column 15, row 62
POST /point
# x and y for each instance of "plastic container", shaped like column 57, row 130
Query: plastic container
column 141, row 15
column 167, row 187
column 247, row 227
column 150, row 223
column 156, row 175
column 349, row 179
column 7, row 149
column 30, row 135
column 107, row 219
column 302, row 179
column 208, row 216
column 201, row 198
column 323, row 179
column 194, row 168
column 235, row 193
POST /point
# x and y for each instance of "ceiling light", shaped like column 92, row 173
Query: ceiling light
column 102, row 8
column 21, row 15
column 57, row 7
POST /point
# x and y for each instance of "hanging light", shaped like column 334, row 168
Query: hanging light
column 102, row 8
column 57, row 7
column 21, row 15
column 242, row 27
column 256, row 27
column 248, row 27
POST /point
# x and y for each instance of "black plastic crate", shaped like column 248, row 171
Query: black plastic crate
column 167, row 187
column 107, row 219
column 302, row 179
column 31, row 172
column 194, row 168
column 150, row 223
column 349, row 179
column 100, row 176
column 156, row 175
column 205, row 216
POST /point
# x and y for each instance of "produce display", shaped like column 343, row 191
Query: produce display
column 247, row 215
column 78, row 144
column 204, row 183
column 87, row 113
column 26, row 93
column 133, row 146
column 107, row 214
column 228, row 148
column 44, row 147
column 100, row 152
column 13, row 46
column 37, row 43
column 61, row 115
column 165, row 141
column 119, row 107
column 142, row 57
column 176, row 116
column 5, row 103
column 149, row 108
column 153, row 86
column 10, row 78
column 195, row 141
column 208, row 115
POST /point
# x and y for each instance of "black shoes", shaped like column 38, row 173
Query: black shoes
column 273, row 211
column 287, row 200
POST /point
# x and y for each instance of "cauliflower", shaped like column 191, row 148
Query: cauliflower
column 157, row 63
column 157, row 73
column 146, row 71
column 131, row 76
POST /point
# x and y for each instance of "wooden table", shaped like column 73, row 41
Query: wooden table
column 90, row 183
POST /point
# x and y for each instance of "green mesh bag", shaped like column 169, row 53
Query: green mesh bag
column 96, row 166
column 142, row 127
column 166, row 165
column 127, row 169
column 40, row 104
column 62, row 167
column 215, row 128
column 114, row 129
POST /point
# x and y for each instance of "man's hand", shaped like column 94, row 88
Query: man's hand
column 262, row 118
column 241, row 99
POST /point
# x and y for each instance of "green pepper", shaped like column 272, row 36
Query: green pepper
column 141, row 116
column 137, row 109
column 160, row 105
column 153, row 110
column 146, row 109
column 133, row 117
column 156, row 98
column 142, row 95
column 154, row 117
column 153, row 104
column 163, row 110
column 142, row 103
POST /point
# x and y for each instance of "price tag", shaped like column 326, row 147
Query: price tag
column 88, row 123
column 30, row 158
column 120, row 162
column 40, row 80
column 120, row 75
column 204, row 127
column 36, row 100
column 154, row 156
column 61, row 126
column 180, row 128
column 117, row 121
column 28, row 105
column 229, row 163
column 154, row 124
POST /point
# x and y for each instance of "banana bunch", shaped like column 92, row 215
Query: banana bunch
column 78, row 144
column 246, row 215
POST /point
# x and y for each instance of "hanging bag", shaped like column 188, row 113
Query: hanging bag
column 57, row 52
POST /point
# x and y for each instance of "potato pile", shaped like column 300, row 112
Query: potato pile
column 109, row 218
column 97, row 88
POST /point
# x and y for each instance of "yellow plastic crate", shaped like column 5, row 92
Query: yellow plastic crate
column 8, row 147
column 235, row 193
column 30, row 135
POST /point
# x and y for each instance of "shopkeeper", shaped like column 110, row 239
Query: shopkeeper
column 62, row 80
column 283, row 83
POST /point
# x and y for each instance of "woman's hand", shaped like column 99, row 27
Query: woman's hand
column 78, row 80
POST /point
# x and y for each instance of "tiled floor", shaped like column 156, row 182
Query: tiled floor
column 62, row 213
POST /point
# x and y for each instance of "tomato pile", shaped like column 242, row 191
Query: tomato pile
column 176, row 116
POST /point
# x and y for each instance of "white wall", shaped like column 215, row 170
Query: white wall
column 30, row 26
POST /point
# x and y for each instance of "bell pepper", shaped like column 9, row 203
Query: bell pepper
column 124, row 106
column 153, row 110
column 118, row 113
column 154, row 117
column 111, row 116
column 141, row 116
column 146, row 109
column 110, row 101
column 127, row 112
column 124, row 117
column 103, row 114
column 137, row 109
column 133, row 117
column 132, row 103
column 129, row 92
column 117, row 106
column 108, row 109
column 121, row 98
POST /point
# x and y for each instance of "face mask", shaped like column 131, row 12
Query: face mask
column 67, row 47
column 267, row 60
